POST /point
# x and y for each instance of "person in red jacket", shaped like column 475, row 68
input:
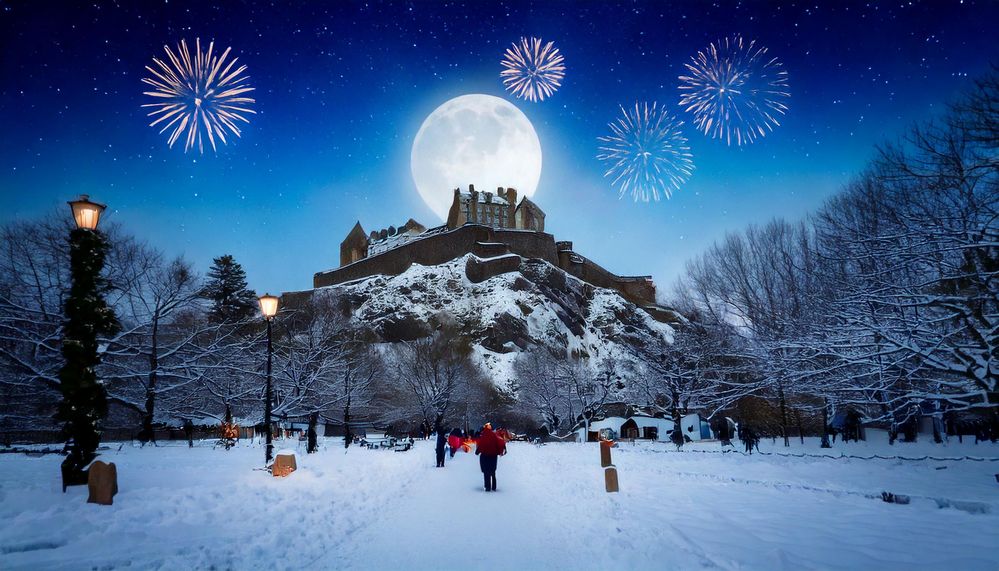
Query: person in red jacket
column 454, row 441
column 489, row 448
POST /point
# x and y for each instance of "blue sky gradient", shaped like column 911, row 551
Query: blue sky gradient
column 342, row 90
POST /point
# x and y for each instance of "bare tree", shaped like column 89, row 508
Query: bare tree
column 543, row 386
column 156, row 351
column 324, row 368
column 34, row 276
column 436, row 372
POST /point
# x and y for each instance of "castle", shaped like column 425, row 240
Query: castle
column 498, row 230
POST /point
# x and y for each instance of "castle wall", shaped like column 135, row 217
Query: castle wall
column 444, row 247
column 438, row 249
column 639, row 290
column 478, row 270
column 528, row 244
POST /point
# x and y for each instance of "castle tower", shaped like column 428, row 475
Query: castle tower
column 355, row 246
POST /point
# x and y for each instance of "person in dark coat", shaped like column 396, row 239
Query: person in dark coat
column 312, row 443
column 441, row 443
column 489, row 448
column 189, row 432
column 676, row 437
column 749, row 438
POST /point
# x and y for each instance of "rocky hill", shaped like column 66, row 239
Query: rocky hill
column 506, row 304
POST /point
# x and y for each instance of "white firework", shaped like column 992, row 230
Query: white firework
column 646, row 153
column 532, row 70
column 736, row 91
column 198, row 96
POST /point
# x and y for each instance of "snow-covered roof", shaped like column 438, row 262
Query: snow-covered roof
column 612, row 422
column 648, row 421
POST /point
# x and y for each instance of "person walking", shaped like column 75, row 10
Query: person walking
column 441, row 444
column 189, row 432
column 489, row 448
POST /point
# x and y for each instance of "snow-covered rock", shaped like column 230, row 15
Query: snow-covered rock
column 504, row 314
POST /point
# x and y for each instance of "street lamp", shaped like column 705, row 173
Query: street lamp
column 88, row 317
column 268, row 307
column 86, row 213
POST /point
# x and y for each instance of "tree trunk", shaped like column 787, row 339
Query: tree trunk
column 348, row 436
column 783, row 416
column 890, row 415
column 825, row 424
column 677, row 437
column 146, row 434
column 797, row 420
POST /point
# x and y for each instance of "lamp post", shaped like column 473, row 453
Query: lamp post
column 84, row 401
column 268, row 307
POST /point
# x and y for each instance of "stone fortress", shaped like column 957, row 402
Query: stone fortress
column 497, row 230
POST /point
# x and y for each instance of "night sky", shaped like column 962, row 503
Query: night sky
column 343, row 88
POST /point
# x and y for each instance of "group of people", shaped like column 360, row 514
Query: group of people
column 489, row 446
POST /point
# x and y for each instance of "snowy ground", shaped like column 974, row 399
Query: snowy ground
column 205, row 508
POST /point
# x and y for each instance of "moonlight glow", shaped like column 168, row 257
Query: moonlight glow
column 474, row 139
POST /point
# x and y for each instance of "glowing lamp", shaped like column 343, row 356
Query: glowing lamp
column 268, row 305
column 86, row 213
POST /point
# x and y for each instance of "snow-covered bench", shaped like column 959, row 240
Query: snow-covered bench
column 371, row 444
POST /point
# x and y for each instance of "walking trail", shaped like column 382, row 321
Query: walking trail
column 443, row 518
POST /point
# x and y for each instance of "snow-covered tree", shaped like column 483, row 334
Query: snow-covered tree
column 541, row 384
column 155, row 351
column 34, row 279
column 433, row 374
column 323, row 367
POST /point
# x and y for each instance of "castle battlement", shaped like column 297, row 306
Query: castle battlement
column 497, row 229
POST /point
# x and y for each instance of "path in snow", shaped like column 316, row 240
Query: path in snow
column 367, row 509
column 444, row 519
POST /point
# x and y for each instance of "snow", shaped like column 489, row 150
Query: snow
column 424, row 291
column 181, row 508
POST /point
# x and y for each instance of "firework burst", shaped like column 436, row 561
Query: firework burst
column 532, row 71
column 198, row 96
column 735, row 90
column 646, row 153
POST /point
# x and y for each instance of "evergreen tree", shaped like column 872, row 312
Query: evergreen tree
column 88, row 317
column 229, row 430
column 226, row 288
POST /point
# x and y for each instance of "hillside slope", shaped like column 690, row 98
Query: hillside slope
column 504, row 314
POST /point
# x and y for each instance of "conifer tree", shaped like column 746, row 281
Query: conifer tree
column 226, row 288
column 88, row 317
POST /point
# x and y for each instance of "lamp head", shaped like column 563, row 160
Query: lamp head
column 268, row 305
column 86, row 213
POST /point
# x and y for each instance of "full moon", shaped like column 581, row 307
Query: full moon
column 474, row 139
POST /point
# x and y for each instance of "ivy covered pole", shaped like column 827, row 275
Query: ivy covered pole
column 268, row 307
column 88, row 317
